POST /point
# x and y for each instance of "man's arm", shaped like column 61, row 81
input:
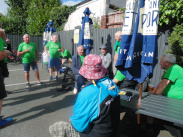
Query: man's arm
column 115, row 57
column 37, row 55
column 46, row 50
column 74, row 69
column 9, row 44
column 161, row 86
column 59, row 50
column 4, row 54
column 108, row 61
column 22, row 52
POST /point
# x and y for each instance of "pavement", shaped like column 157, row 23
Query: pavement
column 34, row 109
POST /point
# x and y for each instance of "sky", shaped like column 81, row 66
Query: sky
column 4, row 6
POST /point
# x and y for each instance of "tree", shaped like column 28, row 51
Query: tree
column 28, row 16
column 59, row 16
column 38, row 15
column 96, row 21
column 11, row 25
column 175, row 42
column 171, row 13
column 17, row 14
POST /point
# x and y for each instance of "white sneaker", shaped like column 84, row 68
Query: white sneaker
column 75, row 91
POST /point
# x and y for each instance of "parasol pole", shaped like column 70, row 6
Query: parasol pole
column 140, row 91
column 138, row 106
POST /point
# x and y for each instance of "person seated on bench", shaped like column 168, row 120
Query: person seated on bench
column 77, row 62
column 172, row 83
column 65, row 55
column 96, row 112
column 106, row 60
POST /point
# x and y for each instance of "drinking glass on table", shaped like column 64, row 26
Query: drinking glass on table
column 151, row 88
column 70, row 61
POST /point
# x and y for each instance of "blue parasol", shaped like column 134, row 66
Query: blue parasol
column 138, row 40
column 48, row 32
column 84, row 37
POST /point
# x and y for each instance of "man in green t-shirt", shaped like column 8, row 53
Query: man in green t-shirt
column 29, row 52
column 77, row 62
column 116, row 48
column 3, row 94
column 118, row 75
column 172, row 83
column 54, row 48
column 119, row 78
column 65, row 54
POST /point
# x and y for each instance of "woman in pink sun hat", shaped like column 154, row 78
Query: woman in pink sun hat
column 92, row 68
column 97, row 108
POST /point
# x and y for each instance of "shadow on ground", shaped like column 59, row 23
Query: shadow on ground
column 48, row 89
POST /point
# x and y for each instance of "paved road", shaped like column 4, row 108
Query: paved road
column 36, row 108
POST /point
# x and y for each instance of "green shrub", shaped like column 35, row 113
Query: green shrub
column 175, row 41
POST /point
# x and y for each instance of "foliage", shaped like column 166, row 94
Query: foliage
column 171, row 13
column 96, row 22
column 59, row 16
column 175, row 42
column 17, row 13
column 11, row 25
column 122, row 9
column 38, row 15
column 28, row 16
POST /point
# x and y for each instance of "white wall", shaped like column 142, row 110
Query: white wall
column 97, row 7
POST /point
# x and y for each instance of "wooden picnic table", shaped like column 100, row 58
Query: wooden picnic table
column 157, row 106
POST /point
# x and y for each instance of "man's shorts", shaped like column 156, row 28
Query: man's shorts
column 54, row 62
column 27, row 66
column 2, row 87
column 5, row 71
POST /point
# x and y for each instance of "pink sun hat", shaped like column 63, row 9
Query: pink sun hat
column 92, row 67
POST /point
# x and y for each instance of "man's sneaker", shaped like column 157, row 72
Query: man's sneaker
column 56, row 77
column 50, row 78
column 39, row 83
column 5, row 122
column 75, row 91
column 28, row 85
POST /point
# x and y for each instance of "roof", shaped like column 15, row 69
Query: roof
column 81, row 3
column 116, row 3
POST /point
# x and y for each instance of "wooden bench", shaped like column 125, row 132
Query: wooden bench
column 157, row 106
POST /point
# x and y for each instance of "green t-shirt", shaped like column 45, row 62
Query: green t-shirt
column 1, row 44
column 175, row 88
column 66, row 53
column 30, row 56
column 53, row 49
column 5, row 45
column 2, row 49
column 82, row 58
column 117, row 46
column 119, row 76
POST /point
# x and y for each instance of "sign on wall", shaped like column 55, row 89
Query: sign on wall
column 76, row 36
